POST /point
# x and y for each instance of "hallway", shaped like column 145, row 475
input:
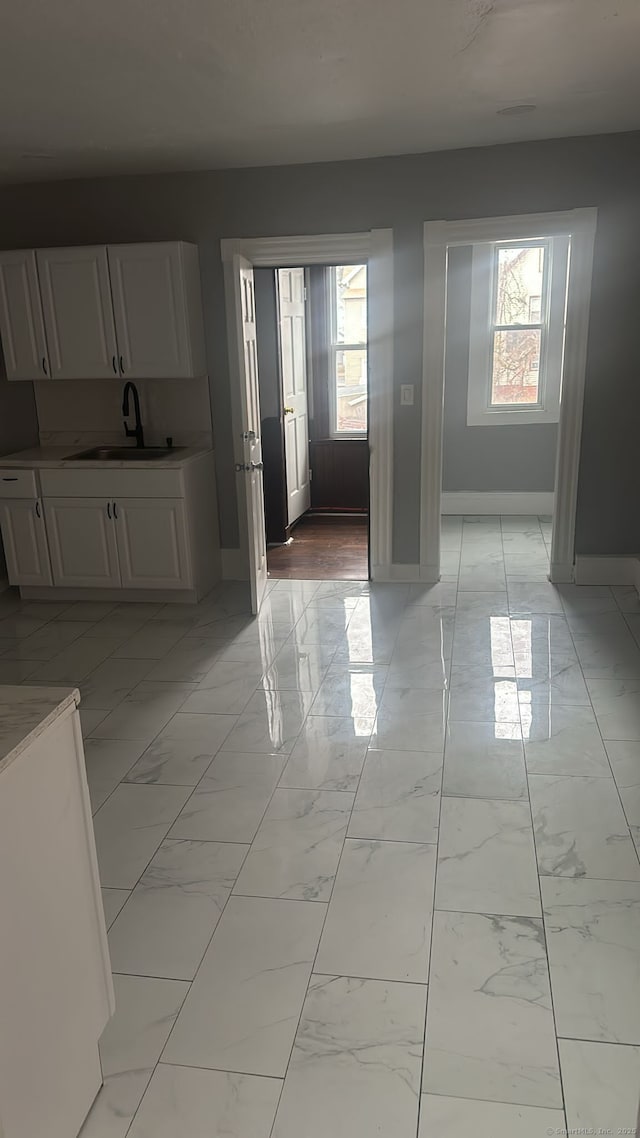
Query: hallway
column 323, row 549
column 368, row 860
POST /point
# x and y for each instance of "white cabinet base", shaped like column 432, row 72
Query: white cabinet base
column 56, row 994
column 157, row 596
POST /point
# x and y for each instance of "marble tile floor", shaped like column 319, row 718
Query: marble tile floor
column 370, row 862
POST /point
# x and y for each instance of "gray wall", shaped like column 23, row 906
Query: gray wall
column 18, row 423
column 400, row 193
column 505, row 457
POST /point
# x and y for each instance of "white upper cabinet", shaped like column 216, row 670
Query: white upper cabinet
column 103, row 311
column 158, row 311
column 78, row 313
column 21, row 323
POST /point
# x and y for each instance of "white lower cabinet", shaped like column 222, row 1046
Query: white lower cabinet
column 25, row 542
column 82, row 542
column 132, row 543
column 112, row 531
column 153, row 546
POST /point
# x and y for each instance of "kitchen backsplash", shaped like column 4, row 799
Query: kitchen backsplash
column 74, row 411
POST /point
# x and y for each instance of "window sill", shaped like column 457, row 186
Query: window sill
column 513, row 418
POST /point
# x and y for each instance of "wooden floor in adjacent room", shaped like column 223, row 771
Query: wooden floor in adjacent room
column 323, row 548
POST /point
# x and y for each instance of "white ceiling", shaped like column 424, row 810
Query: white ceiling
column 108, row 86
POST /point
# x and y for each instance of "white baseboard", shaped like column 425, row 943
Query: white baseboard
column 59, row 593
column 427, row 574
column 561, row 573
column 234, row 567
column 496, row 502
column 606, row 570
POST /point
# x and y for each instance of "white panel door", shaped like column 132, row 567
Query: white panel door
column 24, row 538
column 148, row 288
column 21, row 322
column 82, row 542
column 242, row 328
column 153, row 546
column 293, row 367
column 78, row 312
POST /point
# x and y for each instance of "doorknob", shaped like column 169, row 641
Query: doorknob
column 289, row 410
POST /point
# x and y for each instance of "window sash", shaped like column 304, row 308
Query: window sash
column 518, row 326
column 481, row 411
column 336, row 346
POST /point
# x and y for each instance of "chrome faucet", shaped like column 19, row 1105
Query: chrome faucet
column 136, row 432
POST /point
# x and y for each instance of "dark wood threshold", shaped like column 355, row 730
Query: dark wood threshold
column 332, row 548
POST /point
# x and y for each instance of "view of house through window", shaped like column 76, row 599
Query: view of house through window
column 519, row 303
column 516, row 330
column 348, row 349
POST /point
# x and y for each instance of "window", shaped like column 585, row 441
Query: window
column 348, row 349
column 518, row 301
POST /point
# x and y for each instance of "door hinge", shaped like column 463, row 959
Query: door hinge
column 310, row 474
column 248, row 436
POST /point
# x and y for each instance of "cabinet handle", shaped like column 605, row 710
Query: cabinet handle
column 121, row 366
column 115, row 510
column 108, row 509
column 115, row 365
column 38, row 509
column 44, row 365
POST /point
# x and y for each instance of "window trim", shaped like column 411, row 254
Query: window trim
column 333, row 347
column 482, row 329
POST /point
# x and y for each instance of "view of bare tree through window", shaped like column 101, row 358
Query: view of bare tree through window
column 517, row 336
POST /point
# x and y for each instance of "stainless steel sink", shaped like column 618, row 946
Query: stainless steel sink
column 122, row 454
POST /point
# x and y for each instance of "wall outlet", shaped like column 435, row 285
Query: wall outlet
column 406, row 395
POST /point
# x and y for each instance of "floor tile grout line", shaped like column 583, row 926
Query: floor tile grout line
column 604, row 744
column 546, row 937
column 220, row 1071
column 505, row 1102
column 438, row 831
column 602, row 1042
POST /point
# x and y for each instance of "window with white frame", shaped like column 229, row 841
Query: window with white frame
column 348, row 350
column 516, row 341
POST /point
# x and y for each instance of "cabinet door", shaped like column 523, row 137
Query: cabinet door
column 25, row 542
column 82, row 542
column 78, row 312
column 21, row 322
column 149, row 302
column 153, row 547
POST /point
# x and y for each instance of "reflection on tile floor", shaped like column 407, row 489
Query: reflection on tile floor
column 372, row 802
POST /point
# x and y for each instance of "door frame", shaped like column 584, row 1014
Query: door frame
column 375, row 247
column 438, row 237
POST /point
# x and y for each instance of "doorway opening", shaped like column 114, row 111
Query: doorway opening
column 312, row 352
column 241, row 256
column 506, row 321
column 506, row 314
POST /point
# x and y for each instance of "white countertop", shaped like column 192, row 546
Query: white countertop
column 26, row 712
column 56, row 457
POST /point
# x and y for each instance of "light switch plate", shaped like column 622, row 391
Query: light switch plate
column 406, row 395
